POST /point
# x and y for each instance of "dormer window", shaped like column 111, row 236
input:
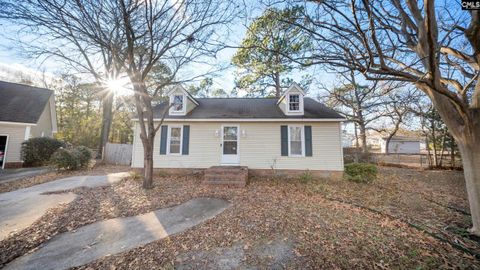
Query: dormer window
column 178, row 103
column 291, row 102
column 294, row 102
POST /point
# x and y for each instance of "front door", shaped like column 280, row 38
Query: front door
column 230, row 145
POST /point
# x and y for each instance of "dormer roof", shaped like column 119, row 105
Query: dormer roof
column 293, row 87
column 185, row 92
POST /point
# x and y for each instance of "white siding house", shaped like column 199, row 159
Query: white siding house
column 25, row 112
column 401, row 145
column 259, row 133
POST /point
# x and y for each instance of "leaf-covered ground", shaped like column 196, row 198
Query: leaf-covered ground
column 405, row 219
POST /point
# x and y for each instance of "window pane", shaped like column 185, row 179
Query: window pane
column 296, row 148
column 175, row 134
column 294, row 102
column 296, row 141
column 175, row 148
column 295, row 133
column 178, row 103
column 230, row 133
column 230, row 148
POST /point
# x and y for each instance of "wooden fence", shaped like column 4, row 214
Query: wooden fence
column 118, row 154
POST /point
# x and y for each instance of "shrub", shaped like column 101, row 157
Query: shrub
column 360, row 172
column 38, row 151
column 63, row 159
column 71, row 159
column 84, row 155
column 306, row 177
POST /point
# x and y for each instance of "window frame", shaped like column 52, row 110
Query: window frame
column 302, row 138
column 290, row 102
column 174, row 110
column 169, row 137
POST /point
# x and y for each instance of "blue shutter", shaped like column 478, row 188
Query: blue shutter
column 185, row 140
column 284, row 140
column 163, row 140
column 308, row 141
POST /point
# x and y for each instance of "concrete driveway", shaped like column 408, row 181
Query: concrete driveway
column 8, row 175
column 112, row 236
column 20, row 208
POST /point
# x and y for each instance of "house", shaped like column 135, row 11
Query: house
column 290, row 134
column 25, row 112
column 401, row 145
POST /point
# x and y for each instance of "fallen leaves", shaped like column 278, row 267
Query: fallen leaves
column 274, row 223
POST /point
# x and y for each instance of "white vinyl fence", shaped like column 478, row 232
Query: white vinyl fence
column 118, row 154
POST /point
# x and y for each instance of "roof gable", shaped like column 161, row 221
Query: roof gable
column 22, row 103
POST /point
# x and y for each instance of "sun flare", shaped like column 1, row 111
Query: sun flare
column 120, row 86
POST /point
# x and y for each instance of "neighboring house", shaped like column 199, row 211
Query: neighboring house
column 25, row 112
column 288, row 134
column 401, row 145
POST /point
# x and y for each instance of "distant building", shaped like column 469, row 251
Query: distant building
column 401, row 145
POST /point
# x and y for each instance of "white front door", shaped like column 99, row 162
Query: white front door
column 230, row 145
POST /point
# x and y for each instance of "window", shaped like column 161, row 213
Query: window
column 294, row 102
column 295, row 137
column 175, row 140
column 178, row 103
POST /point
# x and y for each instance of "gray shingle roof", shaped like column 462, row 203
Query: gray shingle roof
column 22, row 103
column 231, row 108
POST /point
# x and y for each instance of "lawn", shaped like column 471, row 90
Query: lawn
column 405, row 219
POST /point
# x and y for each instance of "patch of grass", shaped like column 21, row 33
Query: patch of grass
column 135, row 176
column 306, row 177
column 161, row 173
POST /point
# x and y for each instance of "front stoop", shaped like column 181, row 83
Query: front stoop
column 226, row 175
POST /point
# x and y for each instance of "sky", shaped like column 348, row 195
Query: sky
column 11, row 57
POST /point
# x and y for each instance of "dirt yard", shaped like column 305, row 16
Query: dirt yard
column 405, row 219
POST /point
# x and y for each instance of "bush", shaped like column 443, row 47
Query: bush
column 360, row 172
column 84, row 155
column 71, row 159
column 306, row 177
column 38, row 151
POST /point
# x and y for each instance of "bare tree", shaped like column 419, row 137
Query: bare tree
column 398, row 109
column 136, row 36
column 52, row 29
column 431, row 44
column 360, row 104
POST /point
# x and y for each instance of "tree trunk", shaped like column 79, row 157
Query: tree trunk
column 434, row 145
column 363, row 137
column 442, row 151
column 278, row 87
column 387, row 145
column 356, row 142
column 147, row 164
column 452, row 152
column 471, row 168
column 107, row 116
column 427, row 143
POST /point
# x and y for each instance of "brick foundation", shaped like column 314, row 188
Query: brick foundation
column 295, row 173
column 255, row 172
column 12, row 165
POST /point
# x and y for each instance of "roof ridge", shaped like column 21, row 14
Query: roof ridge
column 26, row 85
